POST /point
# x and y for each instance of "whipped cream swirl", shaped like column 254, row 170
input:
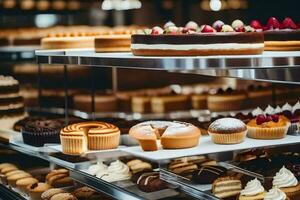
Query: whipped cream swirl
column 116, row 171
column 296, row 107
column 253, row 188
column 257, row 111
column 269, row 110
column 287, row 106
column 275, row 194
column 277, row 110
column 95, row 169
column 284, row 178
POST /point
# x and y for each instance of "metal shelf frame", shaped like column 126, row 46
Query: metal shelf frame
column 281, row 67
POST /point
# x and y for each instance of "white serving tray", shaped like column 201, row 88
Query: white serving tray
column 206, row 146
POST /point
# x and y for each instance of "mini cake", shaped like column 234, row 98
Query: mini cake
column 39, row 132
column 226, row 187
column 103, row 103
column 86, row 193
column 253, row 191
column 227, row 100
column 51, row 192
column 77, row 138
column 287, row 182
column 227, row 131
column 141, row 104
column 193, row 40
column 183, row 168
column 113, row 43
column 150, row 182
column 15, row 177
column 163, row 104
column 278, row 36
column 22, row 184
column 36, row 190
column 172, row 135
column 137, row 165
column 208, row 174
column 277, row 194
column 59, row 178
column 268, row 127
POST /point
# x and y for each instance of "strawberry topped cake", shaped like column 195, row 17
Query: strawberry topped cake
column 284, row 36
column 195, row 40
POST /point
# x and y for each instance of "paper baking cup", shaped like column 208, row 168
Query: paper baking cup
column 228, row 138
column 267, row 133
column 73, row 145
column 39, row 139
column 103, row 141
column 292, row 192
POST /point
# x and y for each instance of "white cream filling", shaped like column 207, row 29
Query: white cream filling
column 198, row 46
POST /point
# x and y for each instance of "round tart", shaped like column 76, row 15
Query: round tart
column 268, row 127
column 67, row 42
column 77, row 138
column 172, row 135
column 227, row 131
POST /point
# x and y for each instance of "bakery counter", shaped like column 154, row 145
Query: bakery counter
column 17, row 53
column 270, row 66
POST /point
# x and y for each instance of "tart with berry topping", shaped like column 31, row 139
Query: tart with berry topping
column 195, row 40
column 268, row 127
column 284, row 36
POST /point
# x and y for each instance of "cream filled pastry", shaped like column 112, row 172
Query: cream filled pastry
column 269, row 110
column 253, row 188
column 117, row 171
column 284, row 178
column 275, row 194
column 257, row 111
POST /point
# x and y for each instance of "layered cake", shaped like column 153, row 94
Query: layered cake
column 284, row 36
column 113, row 43
column 11, row 102
column 195, row 40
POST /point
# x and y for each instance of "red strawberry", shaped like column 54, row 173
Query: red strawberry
column 260, row 119
column 255, row 24
column 207, row 29
column 269, row 118
column 273, row 23
column 157, row 30
column 240, row 29
column 275, row 118
column 288, row 23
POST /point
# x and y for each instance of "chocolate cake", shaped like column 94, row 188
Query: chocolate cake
column 39, row 132
column 207, row 174
column 150, row 182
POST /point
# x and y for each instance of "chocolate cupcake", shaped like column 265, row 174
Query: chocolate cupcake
column 39, row 132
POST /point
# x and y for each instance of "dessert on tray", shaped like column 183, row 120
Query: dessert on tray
column 172, row 135
column 253, row 191
column 195, row 40
column 227, row 131
column 284, row 36
column 227, row 187
column 77, row 138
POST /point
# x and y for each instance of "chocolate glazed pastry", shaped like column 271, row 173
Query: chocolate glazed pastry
column 39, row 132
column 150, row 182
column 208, row 174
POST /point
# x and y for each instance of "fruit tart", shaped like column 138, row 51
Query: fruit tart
column 268, row 127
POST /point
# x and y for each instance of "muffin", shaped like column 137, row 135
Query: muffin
column 3, row 165
column 36, row 190
column 227, row 131
column 50, row 193
column 227, row 100
column 14, row 178
column 39, row 132
column 8, row 168
column 22, row 184
column 288, row 183
column 268, row 127
column 253, row 191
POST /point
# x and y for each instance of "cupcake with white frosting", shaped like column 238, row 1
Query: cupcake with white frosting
column 117, row 171
column 276, row 194
column 257, row 111
column 100, row 167
column 253, row 191
column 286, row 181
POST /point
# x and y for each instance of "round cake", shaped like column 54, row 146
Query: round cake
column 172, row 135
column 68, row 42
column 192, row 40
column 284, row 36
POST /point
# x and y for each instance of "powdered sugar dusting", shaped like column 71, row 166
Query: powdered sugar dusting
column 227, row 124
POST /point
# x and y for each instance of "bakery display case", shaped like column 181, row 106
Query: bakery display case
column 96, row 104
